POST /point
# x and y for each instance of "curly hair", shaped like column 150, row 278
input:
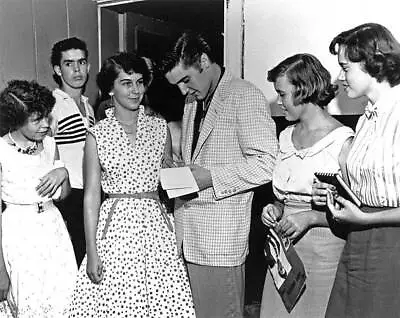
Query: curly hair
column 22, row 99
column 127, row 62
column 311, row 80
column 375, row 47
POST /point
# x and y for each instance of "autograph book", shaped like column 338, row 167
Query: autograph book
column 342, row 188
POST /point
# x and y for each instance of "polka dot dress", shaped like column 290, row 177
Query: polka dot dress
column 143, row 276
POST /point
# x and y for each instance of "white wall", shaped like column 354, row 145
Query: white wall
column 276, row 29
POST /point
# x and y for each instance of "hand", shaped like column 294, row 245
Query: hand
column 51, row 181
column 319, row 192
column 202, row 176
column 292, row 226
column 345, row 211
column 270, row 215
column 95, row 269
column 4, row 283
column 170, row 163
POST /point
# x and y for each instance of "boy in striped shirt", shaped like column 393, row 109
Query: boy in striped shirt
column 74, row 115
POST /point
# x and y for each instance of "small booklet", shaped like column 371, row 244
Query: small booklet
column 342, row 188
column 178, row 181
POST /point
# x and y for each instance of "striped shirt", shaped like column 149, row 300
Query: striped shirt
column 71, row 133
column 374, row 159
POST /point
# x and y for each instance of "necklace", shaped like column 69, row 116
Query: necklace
column 29, row 150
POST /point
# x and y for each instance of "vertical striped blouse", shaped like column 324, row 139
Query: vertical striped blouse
column 374, row 160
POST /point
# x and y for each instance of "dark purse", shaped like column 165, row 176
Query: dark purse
column 286, row 268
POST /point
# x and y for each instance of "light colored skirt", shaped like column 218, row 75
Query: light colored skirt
column 320, row 250
column 39, row 260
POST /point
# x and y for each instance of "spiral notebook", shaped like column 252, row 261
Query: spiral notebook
column 342, row 188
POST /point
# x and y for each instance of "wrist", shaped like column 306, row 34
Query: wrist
column 312, row 218
column 370, row 218
column 91, row 249
column 65, row 173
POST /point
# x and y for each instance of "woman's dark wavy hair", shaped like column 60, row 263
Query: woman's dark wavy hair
column 22, row 99
column 311, row 81
column 127, row 62
column 375, row 47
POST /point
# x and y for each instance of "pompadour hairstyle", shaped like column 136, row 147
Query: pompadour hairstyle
column 187, row 49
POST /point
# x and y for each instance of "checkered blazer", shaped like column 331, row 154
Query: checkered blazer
column 238, row 144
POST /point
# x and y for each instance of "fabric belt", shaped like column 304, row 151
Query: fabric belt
column 39, row 206
column 153, row 195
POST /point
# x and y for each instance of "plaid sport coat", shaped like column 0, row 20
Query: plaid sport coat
column 238, row 144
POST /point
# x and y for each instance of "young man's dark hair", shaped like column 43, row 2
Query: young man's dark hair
column 62, row 46
column 187, row 49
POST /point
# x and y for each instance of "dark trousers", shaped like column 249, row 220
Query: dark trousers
column 71, row 209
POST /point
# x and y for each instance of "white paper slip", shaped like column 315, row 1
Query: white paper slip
column 178, row 181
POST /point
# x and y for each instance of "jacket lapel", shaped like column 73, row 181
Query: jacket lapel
column 213, row 112
column 208, row 126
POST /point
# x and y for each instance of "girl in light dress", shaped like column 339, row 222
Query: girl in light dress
column 37, row 263
column 132, row 268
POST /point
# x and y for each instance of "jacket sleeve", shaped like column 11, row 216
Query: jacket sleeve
column 256, row 135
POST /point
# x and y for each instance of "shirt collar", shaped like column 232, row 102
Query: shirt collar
column 64, row 95
column 384, row 104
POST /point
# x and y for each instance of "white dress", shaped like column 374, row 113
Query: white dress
column 143, row 276
column 37, row 250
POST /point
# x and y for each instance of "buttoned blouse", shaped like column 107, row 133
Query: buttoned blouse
column 373, row 162
column 293, row 175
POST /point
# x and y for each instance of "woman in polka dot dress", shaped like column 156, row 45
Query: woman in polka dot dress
column 132, row 268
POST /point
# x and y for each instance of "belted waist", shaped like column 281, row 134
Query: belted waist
column 39, row 206
column 140, row 195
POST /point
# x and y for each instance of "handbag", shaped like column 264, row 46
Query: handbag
column 286, row 268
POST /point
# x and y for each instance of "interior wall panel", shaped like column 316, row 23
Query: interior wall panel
column 83, row 24
column 51, row 26
column 109, row 33
column 17, row 44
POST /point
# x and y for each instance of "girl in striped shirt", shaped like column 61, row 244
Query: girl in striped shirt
column 368, row 275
